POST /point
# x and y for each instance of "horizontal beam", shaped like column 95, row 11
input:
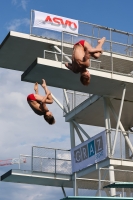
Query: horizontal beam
column 120, row 185
column 95, row 198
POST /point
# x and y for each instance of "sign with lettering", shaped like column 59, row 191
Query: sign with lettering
column 54, row 22
column 89, row 152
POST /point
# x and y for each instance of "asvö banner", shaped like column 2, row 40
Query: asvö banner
column 54, row 22
column 89, row 152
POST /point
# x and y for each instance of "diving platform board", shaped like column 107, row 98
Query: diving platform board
column 37, row 178
column 19, row 50
column 57, row 75
column 120, row 185
column 91, row 112
column 90, row 175
column 24, row 52
column 95, row 198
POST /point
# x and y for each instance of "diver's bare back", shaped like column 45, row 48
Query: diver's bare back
column 78, row 52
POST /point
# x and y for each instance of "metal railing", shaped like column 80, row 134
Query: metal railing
column 109, row 62
column 51, row 160
column 95, row 184
column 75, row 98
column 59, row 161
column 27, row 164
column 118, row 176
column 121, row 150
column 118, row 42
column 50, row 163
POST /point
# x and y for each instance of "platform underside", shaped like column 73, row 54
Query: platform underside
column 57, row 75
column 37, row 178
column 91, row 112
column 19, row 50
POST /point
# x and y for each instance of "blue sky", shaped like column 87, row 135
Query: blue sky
column 20, row 128
column 116, row 15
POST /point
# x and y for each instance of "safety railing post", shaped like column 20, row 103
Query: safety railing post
column 55, row 161
column 19, row 161
column 121, row 145
column 41, row 164
column 32, row 160
column 74, row 99
column 111, row 51
column 44, row 54
column 66, row 99
column 99, row 188
column 61, row 48
column 31, row 21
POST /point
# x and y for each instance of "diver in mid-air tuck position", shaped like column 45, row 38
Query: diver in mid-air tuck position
column 38, row 102
column 82, row 51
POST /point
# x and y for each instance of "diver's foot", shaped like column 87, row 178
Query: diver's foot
column 36, row 88
column 43, row 83
column 102, row 40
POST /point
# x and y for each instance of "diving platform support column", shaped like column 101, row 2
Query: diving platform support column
column 72, row 135
column 120, row 125
column 107, row 124
column 112, row 180
column 108, row 129
column 118, row 121
column 75, row 185
column 72, row 138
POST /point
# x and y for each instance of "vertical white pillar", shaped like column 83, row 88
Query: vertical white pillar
column 99, row 188
column 121, row 126
column 75, row 185
column 108, row 128
column 72, row 139
column 127, row 152
column 119, row 117
column 112, row 180
column 72, row 135
column 107, row 124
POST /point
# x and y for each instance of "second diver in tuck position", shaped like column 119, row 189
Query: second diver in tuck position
column 38, row 102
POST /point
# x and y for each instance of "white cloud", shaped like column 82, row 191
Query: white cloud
column 14, row 2
column 30, row 192
column 16, row 24
column 22, row 3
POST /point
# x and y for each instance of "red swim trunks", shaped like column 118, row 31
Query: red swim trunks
column 31, row 97
column 80, row 42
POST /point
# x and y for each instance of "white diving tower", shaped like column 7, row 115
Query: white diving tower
column 109, row 105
